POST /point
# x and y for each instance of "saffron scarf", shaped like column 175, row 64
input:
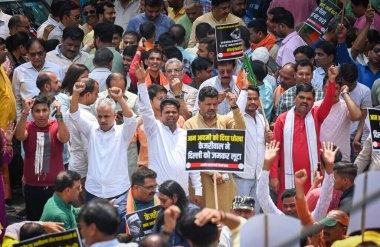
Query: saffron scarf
column 268, row 42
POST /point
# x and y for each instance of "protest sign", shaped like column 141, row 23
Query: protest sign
column 67, row 238
column 141, row 223
column 374, row 124
column 228, row 41
column 321, row 16
column 215, row 150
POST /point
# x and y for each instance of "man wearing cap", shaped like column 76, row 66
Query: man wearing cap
column 335, row 226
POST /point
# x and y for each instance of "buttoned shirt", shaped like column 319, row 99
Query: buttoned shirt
column 318, row 76
column 266, row 96
column 107, row 174
column 24, row 81
column 117, row 62
column 78, row 158
column 100, row 75
column 56, row 56
column 57, row 32
column 287, row 99
column 129, row 97
column 291, row 42
column 175, row 16
column 49, row 21
column 166, row 149
column 189, row 94
column 162, row 23
column 123, row 15
column 4, row 19
column 224, row 106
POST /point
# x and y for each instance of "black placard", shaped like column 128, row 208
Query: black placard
column 321, row 16
column 374, row 122
column 67, row 238
column 228, row 41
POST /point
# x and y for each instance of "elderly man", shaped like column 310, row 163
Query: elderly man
column 185, row 94
column 107, row 175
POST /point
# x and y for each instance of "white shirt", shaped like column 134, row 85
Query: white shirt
column 166, row 149
column 4, row 19
column 107, row 174
column 56, row 56
column 24, row 81
column 318, row 75
column 49, row 21
column 124, row 15
column 57, row 32
column 100, row 75
column 254, row 140
column 224, row 107
column 78, row 159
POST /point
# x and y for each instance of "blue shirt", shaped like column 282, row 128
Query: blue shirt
column 266, row 96
column 163, row 23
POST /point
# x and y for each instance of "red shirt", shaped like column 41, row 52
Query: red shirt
column 300, row 147
column 43, row 139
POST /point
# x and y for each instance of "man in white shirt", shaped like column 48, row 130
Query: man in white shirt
column 166, row 141
column 69, row 15
column 78, row 158
column 107, row 175
column 103, row 65
column 68, row 52
column 4, row 19
column 53, row 18
column 125, row 10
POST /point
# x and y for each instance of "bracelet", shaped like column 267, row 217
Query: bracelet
column 234, row 107
column 343, row 93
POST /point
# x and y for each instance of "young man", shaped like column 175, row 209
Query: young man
column 69, row 16
column 344, row 180
column 324, row 58
column 202, row 71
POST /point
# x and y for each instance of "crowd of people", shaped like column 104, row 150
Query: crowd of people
column 95, row 107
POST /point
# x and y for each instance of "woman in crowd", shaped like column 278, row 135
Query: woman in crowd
column 74, row 73
column 16, row 52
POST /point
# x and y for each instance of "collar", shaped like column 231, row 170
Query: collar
column 215, row 120
column 60, row 201
column 184, row 88
column 112, row 129
column 61, row 26
column 289, row 37
column 52, row 21
column 348, row 192
column 58, row 53
column 221, row 20
column 29, row 65
column 101, row 69
column 83, row 106
column 167, row 128
column 108, row 243
column 320, row 71
column 2, row 16
column 231, row 84
column 158, row 20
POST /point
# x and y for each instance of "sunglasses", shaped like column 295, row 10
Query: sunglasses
column 88, row 12
column 34, row 54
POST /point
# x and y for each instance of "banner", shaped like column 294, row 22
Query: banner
column 215, row 150
column 141, row 223
column 374, row 124
column 321, row 16
column 228, row 41
column 67, row 238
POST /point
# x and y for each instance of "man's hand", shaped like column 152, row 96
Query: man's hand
column 27, row 106
column 198, row 201
column 47, row 31
column 317, row 179
column 369, row 14
column 271, row 150
column 176, row 86
column 300, row 177
column 332, row 73
column 231, row 99
column 51, row 227
column 244, row 80
column 142, row 43
column 274, row 184
column 208, row 215
column 357, row 146
column 140, row 72
column 221, row 97
column 328, row 155
column 115, row 93
column 268, row 136
column 57, row 106
column 345, row 89
column 219, row 178
column 79, row 87
column 8, row 134
column 171, row 214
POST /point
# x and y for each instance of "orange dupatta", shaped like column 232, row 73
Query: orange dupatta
column 268, row 42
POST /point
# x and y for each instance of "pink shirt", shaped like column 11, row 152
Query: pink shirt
column 360, row 22
column 301, row 9
column 288, row 45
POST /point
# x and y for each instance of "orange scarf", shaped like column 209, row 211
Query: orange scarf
column 163, row 80
column 268, row 42
column 131, row 205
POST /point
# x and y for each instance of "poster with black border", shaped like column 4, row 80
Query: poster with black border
column 141, row 223
column 66, row 238
column 321, row 16
column 228, row 41
column 374, row 124
column 214, row 150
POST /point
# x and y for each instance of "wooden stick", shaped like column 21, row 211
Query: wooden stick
column 215, row 193
column 265, row 117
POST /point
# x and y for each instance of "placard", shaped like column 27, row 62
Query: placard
column 141, row 223
column 215, row 150
column 321, row 16
column 67, row 238
column 374, row 124
column 228, row 41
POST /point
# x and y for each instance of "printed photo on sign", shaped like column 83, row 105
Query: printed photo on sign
column 228, row 41
column 215, row 150
column 67, row 238
column 374, row 123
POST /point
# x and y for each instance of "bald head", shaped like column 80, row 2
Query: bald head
column 287, row 79
column 116, row 80
column 153, row 240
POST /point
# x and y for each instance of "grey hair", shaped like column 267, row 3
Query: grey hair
column 173, row 60
column 102, row 102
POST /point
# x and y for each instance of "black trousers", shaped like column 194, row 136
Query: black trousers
column 35, row 199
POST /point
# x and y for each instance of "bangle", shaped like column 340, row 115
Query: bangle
column 234, row 107
column 163, row 231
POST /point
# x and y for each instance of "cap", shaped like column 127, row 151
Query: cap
column 262, row 54
column 243, row 202
column 335, row 216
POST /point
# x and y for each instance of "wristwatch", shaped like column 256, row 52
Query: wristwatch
column 180, row 96
column 343, row 93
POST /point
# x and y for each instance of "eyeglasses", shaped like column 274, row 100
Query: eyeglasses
column 34, row 54
column 376, row 49
column 88, row 12
column 162, row 98
column 152, row 187
column 176, row 71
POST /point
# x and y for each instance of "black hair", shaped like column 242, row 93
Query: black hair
column 112, row 77
column 66, row 8
column 207, row 92
column 141, row 173
column 34, row 40
column 166, row 40
column 202, row 29
column 211, row 45
column 346, row 169
column 90, row 85
column 74, row 33
column 218, row 2
column 153, row 3
column 259, row 25
column 245, row 36
column 147, row 29
column 200, row 64
column 101, row 213
column 100, row 7
column 136, row 34
column 171, row 188
column 373, row 36
column 41, row 100
column 199, row 236
column 130, row 50
column 225, row 62
column 118, row 30
column 103, row 57
column 335, row 21
column 31, row 230
column 14, row 41
column 42, row 79
column 71, row 77
column 284, row 17
column 305, row 87
column 154, row 89
column 154, row 50
column 14, row 21
column 256, row 89
column 363, row 3
column 306, row 50
column 51, row 44
column 288, row 193
column 104, row 31
column 169, row 101
column 93, row 4
column 259, row 69
column 304, row 63
column 173, row 52
column 55, row 7
column 328, row 48
column 349, row 72
column 178, row 33
column 65, row 179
